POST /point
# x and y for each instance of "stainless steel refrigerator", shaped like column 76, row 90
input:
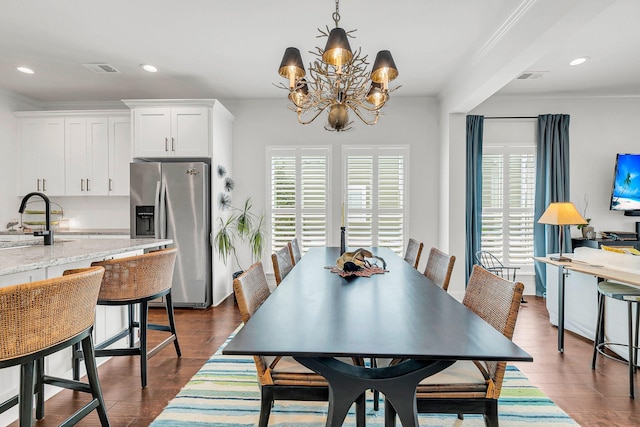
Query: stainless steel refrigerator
column 172, row 200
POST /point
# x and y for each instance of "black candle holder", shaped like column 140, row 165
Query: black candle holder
column 342, row 241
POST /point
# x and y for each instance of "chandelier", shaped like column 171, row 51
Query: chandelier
column 338, row 81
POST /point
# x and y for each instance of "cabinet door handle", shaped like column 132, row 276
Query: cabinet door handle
column 110, row 181
column 88, row 189
column 38, row 184
column 44, row 184
column 173, row 144
column 82, row 185
column 166, row 144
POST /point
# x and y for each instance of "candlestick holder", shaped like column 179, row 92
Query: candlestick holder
column 342, row 241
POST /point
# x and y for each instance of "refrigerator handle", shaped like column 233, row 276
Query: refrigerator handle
column 156, row 212
column 163, row 210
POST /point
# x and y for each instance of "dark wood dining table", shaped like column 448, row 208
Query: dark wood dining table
column 316, row 315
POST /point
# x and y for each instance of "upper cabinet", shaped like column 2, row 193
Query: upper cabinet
column 175, row 128
column 42, row 155
column 75, row 153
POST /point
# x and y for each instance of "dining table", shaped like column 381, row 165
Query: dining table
column 316, row 316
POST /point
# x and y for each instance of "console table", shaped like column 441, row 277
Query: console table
column 599, row 271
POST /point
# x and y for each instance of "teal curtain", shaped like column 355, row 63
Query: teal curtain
column 475, row 127
column 552, row 185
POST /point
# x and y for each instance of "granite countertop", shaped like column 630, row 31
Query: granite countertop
column 32, row 255
column 71, row 231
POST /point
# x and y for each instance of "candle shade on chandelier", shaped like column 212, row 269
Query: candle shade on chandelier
column 338, row 81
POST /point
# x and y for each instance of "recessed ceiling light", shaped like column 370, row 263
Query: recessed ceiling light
column 148, row 67
column 25, row 70
column 579, row 61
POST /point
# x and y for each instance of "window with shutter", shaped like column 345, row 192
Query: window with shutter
column 299, row 196
column 508, row 189
column 375, row 196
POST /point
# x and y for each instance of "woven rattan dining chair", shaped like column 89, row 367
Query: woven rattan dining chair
column 41, row 318
column 280, row 377
column 294, row 249
column 439, row 267
column 135, row 281
column 282, row 263
column 473, row 387
column 413, row 252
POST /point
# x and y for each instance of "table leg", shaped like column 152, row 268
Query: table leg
column 398, row 383
column 561, row 276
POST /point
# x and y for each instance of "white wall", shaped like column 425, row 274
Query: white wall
column 599, row 128
column 407, row 121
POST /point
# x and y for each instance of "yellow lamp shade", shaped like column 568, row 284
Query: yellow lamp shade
column 562, row 213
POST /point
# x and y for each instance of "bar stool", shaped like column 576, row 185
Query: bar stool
column 135, row 281
column 41, row 318
column 631, row 295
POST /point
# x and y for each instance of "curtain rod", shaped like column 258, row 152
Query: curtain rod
column 521, row 117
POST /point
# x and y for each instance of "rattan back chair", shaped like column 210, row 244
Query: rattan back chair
column 439, row 267
column 41, row 318
column 294, row 248
column 282, row 263
column 279, row 377
column 413, row 252
column 134, row 281
column 473, row 387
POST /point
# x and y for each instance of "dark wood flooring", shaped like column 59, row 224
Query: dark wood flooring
column 592, row 398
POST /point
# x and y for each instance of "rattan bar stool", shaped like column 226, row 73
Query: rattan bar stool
column 631, row 295
column 41, row 318
column 135, row 281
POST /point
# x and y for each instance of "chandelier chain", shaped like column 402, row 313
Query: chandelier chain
column 336, row 14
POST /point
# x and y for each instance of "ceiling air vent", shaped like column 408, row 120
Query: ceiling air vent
column 530, row 75
column 100, row 68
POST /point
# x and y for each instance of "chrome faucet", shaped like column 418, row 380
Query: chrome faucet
column 47, row 233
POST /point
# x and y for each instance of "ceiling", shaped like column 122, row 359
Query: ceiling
column 231, row 49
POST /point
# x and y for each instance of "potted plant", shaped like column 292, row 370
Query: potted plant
column 242, row 226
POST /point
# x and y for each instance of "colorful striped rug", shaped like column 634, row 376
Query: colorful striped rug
column 225, row 393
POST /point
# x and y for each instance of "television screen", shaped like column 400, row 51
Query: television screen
column 625, row 195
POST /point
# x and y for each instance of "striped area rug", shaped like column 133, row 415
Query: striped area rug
column 225, row 393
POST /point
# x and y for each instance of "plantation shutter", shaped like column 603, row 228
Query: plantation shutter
column 299, row 195
column 376, row 194
column 508, row 191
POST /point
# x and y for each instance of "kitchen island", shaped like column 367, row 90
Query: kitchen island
column 28, row 255
column 29, row 260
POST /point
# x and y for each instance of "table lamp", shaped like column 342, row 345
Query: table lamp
column 561, row 214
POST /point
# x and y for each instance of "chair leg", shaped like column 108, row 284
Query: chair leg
column 25, row 401
column 131, row 310
column 39, row 389
column 94, row 382
column 491, row 413
column 76, row 357
column 597, row 339
column 361, row 411
column 144, row 318
column 266, row 402
column 172, row 323
column 631, row 350
column 389, row 414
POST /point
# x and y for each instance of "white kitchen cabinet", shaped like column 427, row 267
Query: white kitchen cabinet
column 42, row 155
column 171, row 132
column 86, row 156
column 174, row 128
column 93, row 158
column 119, row 155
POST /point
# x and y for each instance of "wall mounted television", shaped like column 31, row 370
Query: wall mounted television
column 625, row 195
